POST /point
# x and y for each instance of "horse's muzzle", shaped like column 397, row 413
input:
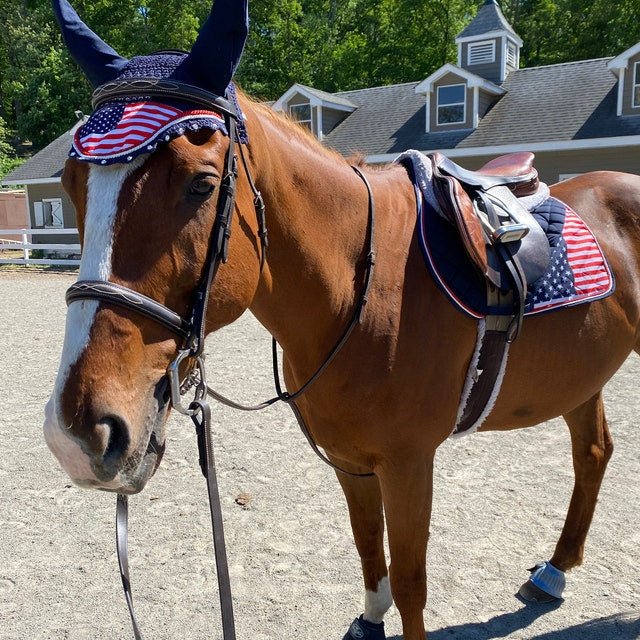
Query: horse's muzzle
column 110, row 457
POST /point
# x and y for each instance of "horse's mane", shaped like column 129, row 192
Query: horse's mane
column 302, row 133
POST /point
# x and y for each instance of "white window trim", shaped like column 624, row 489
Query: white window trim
column 621, row 74
column 428, row 114
column 478, row 44
column 455, row 104
column 299, row 121
column 635, row 85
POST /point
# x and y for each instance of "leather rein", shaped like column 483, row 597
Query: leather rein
column 192, row 331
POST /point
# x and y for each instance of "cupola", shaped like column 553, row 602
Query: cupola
column 489, row 47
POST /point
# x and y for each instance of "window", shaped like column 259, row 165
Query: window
column 512, row 55
column 301, row 113
column 48, row 213
column 482, row 52
column 636, row 84
column 451, row 104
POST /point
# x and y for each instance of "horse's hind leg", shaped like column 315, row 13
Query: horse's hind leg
column 367, row 521
column 592, row 447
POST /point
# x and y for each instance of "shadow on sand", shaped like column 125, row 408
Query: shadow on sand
column 623, row 626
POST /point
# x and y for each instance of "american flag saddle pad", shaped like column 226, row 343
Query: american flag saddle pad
column 578, row 271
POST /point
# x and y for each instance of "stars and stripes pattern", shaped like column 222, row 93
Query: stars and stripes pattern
column 119, row 132
column 578, row 270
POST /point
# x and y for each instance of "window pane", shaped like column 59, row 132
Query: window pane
column 636, row 97
column 449, row 115
column 451, row 95
column 637, row 73
column 301, row 112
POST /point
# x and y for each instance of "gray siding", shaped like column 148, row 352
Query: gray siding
column 331, row 119
column 627, row 100
column 485, row 102
column 39, row 192
column 489, row 71
column 448, row 79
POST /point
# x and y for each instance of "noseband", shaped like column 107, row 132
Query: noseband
column 192, row 331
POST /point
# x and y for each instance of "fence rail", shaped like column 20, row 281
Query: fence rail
column 26, row 246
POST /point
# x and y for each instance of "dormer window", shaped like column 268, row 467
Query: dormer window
column 301, row 113
column 318, row 111
column 482, row 52
column 636, row 85
column 451, row 104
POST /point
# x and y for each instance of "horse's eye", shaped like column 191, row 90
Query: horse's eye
column 202, row 187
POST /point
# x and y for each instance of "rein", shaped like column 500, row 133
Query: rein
column 192, row 331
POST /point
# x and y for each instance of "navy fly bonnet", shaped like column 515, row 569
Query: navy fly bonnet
column 124, row 127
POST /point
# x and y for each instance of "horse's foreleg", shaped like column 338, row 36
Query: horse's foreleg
column 407, row 488
column 592, row 447
column 367, row 522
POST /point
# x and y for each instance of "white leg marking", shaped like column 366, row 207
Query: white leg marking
column 103, row 190
column 377, row 603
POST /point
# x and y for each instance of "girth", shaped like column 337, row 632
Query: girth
column 509, row 250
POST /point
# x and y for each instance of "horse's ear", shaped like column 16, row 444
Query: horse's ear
column 216, row 53
column 95, row 57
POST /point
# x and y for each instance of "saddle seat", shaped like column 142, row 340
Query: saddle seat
column 514, row 170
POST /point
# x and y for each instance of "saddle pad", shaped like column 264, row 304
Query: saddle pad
column 578, row 272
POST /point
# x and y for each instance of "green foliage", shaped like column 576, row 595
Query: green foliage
column 8, row 160
column 329, row 44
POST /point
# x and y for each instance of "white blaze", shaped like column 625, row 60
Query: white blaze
column 103, row 190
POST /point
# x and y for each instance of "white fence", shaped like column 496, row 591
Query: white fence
column 25, row 244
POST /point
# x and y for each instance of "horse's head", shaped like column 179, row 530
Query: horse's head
column 146, row 177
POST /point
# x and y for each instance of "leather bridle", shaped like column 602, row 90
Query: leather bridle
column 192, row 331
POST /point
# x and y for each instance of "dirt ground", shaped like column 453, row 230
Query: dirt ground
column 500, row 501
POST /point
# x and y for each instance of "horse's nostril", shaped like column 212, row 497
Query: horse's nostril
column 115, row 436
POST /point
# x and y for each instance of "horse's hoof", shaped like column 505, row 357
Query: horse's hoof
column 361, row 629
column 546, row 584
column 529, row 592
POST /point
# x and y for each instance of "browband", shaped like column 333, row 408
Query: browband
column 147, row 88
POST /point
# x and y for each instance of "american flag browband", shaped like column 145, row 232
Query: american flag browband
column 119, row 132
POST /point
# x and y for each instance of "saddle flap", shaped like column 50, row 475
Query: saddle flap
column 456, row 205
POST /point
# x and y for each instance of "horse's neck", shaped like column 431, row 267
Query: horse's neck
column 317, row 222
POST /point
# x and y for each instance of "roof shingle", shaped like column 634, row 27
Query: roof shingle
column 489, row 18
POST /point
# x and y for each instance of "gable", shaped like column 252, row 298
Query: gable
column 317, row 110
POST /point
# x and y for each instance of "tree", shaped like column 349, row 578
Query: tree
column 332, row 45
column 8, row 160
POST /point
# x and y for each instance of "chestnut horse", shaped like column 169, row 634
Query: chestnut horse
column 391, row 395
